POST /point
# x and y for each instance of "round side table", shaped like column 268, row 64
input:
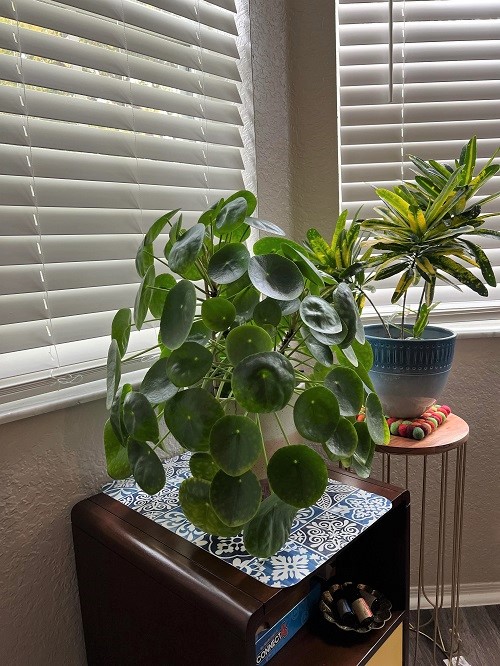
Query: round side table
column 437, row 449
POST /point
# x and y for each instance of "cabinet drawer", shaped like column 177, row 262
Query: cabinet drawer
column 391, row 652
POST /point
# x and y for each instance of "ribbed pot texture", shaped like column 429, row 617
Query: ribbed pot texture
column 409, row 375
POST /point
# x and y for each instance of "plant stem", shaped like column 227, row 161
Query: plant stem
column 141, row 353
column 382, row 320
column 403, row 316
column 262, row 439
column 281, row 428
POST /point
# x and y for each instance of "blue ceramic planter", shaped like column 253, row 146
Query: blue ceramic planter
column 410, row 375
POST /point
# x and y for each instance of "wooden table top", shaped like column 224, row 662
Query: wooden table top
column 451, row 434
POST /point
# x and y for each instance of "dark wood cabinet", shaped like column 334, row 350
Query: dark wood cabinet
column 151, row 598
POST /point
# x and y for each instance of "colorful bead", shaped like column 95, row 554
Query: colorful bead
column 418, row 433
column 420, row 427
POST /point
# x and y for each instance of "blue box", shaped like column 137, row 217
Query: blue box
column 270, row 642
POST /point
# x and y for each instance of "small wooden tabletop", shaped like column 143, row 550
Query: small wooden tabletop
column 451, row 434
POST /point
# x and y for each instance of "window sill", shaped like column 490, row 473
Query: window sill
column 96, row 390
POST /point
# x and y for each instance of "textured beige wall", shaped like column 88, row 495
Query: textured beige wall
column 49, row 462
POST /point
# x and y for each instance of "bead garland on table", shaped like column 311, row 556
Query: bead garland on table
column 420, row 427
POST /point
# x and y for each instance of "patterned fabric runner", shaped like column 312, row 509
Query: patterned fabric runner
column 320, row 531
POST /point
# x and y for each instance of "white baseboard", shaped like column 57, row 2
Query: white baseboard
column 471, row 594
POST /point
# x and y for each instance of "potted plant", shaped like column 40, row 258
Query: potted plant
column 424, row 234
column 241, row 339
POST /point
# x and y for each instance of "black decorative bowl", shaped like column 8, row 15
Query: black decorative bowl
column 379, row 605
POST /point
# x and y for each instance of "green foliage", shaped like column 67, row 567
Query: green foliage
column 240, row 334
column 424, row 231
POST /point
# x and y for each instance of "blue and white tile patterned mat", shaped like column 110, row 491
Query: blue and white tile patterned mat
column 320, row 531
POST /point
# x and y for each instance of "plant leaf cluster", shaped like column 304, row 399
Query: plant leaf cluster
column 241, row 333
column 425, row 230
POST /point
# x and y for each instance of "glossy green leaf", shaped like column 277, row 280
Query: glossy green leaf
column 321, row 352
column 298, row 475
column 116, row 414
column 113, row 372
column 162, row 285
column 307, row 268
column 318, row 315
column 200, row 333
column 230, row 290
column 316, row 413
column 364, row 353
column 144, row 258
column 267, row 311
column 360, row 369
column 188, row 364
column 289, row 307
column 460, row 273
column 203, row 466
column 245, row 302
column 264, row 225
column 229, row 263
column 235, row 499
column 343, row 442
column 178, row 314
column 270, row 244
column 143, row 297
column 231, row 216
column 156, row 385
column 249, row 197
column 120, row 329
column 117, row 463
column 190, row 416
column 246, row 340
column 147, row 469
column 345, row 305
column 185, row 250
column 375, row 420
column 158, row 226
column 348, row 388
column 483, row 262
column 263, row 382
column 140, row 418
column 235, row 444
column 270, row 529
column 194, row 498
column 218, row 313
column 328, row 339
column 276, row 277
column 362, row 452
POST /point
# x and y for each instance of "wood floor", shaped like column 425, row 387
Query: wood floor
column 480, row 632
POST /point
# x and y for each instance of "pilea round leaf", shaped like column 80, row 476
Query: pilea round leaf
column 348, row 388
column 270, row 528
column 203, row 466
column 316, row 413
column 188, row 364
column 330, row 340
column 246, row 340
column 218, row 313
column 190, row 416
column 146, row 467
column 157, row 227
column 349, row 354
column 186, row 249
column 276, row 277
column 375, row 420
column 343, row 442
column 120, row 329
column 178, row 314
column 194, row 498
column 113, row 372
column 270, row 244
column 231, row 216
column 298, row 475
column 364, row 353
column 156, row 386
column 162, row 285
column 307, row 268
column 249, row 197
column 362, row 452
column 116, row 414
column 267, row 311
column 199, row 333
column 235, row 499
column 321, row 352
column 143, row 297
column 263, row 382
column 264, row 225
column 345, row 305
column 289, row 307
column 233, row 288
column 319, row 315
column 235, row 444
column 117, row 463
column 229, row 263
column 245, row 302
column 139, row 418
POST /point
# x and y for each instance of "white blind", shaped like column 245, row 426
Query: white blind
column 446, row 88
column 111, row 113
